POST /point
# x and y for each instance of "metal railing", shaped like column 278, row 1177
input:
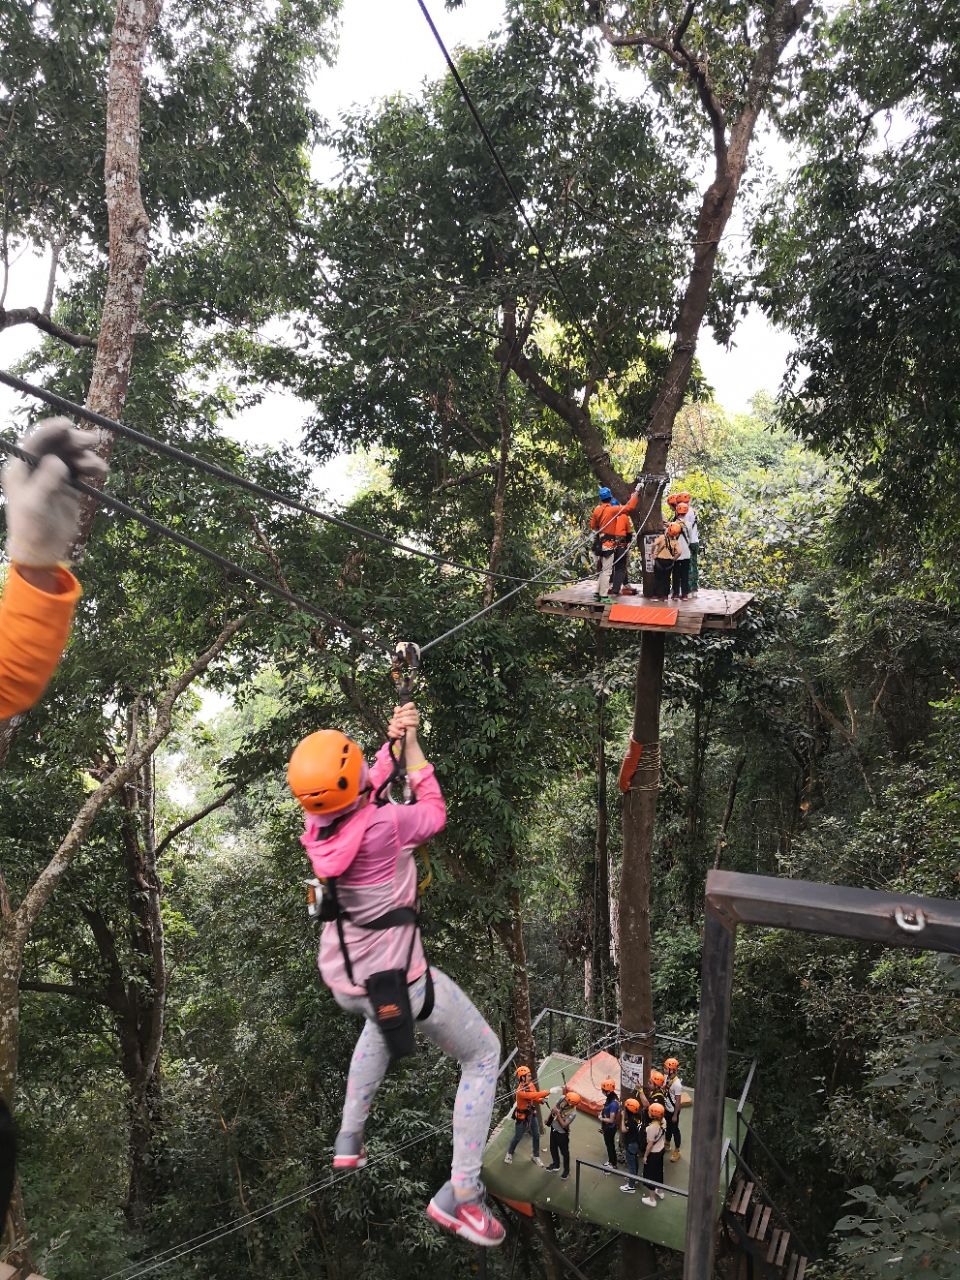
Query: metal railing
column 632, row 1177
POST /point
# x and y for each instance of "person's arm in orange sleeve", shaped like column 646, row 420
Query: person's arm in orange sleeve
column 36, row 610
column 530, row 1096
column 42, row 509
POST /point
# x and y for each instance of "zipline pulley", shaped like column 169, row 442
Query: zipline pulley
column 403, row 673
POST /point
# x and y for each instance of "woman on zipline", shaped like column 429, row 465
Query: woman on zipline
column 372, row 958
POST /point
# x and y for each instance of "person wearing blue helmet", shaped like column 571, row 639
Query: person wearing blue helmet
column 613, row 531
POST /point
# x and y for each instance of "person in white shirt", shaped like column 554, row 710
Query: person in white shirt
column 653, row 1157
column 691, row 536
column 673, row 1096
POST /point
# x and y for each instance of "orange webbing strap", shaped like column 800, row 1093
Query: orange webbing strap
column 629, row 766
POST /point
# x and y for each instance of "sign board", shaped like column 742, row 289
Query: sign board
column 648, row 540
column 631, row 1071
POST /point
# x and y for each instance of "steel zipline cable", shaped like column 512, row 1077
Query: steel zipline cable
column 505, row 177
column 228, row 566
column 204, row 1238
column 230, row 477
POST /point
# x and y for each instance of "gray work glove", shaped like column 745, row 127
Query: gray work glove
column 42, row 506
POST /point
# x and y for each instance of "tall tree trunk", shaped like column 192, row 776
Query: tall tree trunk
column 142, row 1023
column 692, row 820
column 129, row 226
column 603, row 998
column 500, row 489
column 510, row 933
column 639, row 820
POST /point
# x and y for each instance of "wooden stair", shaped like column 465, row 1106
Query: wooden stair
column 763, row 1234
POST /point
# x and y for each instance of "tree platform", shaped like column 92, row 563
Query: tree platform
column 707, row 610
column 601, row 1200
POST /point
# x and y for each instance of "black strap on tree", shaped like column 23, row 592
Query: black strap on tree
column 403, row 672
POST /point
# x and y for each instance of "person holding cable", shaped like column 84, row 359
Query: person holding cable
column 40, row 593
column 371, row 953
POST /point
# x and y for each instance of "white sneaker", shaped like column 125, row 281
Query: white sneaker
column 537, row 1160
column 610, row 1168
column 659, row 1194
column 508, row 1158
column 628, row 1190
column 650, row 1200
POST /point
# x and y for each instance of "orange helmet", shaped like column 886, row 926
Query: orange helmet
column 608, row 1085
column 683, row 497
column 683, row 508
column 632, row 1105
column 524, row 1073
column 657, row 1111
column 670, row 1065
column 674, row 528
column 572, row 1097
column 672, row 500
column 325, row 771
column 657, row 1077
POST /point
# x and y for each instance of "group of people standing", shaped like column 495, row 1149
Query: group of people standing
column 675, row 551
column 646, row 1124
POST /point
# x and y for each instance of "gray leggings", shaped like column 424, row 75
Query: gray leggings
column 456, row 1027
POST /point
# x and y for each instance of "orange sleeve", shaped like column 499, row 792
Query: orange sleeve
column 595, row 518
column 631, row 505
column 34, row 626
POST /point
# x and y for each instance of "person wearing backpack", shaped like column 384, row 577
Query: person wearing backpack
column 561, row 1121
column 613, row 533
column 371, row 954
column 688, row 516
column 526, row 1115
column 681, row 563
column 665, row 551
column 653, row 1154
column 634, row 1140
column 672, row 1102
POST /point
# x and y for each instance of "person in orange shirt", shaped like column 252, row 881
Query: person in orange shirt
column 40, row 594
column 613, row 528
column 526, row 1114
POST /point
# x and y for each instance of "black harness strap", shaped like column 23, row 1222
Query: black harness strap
column 393, row 919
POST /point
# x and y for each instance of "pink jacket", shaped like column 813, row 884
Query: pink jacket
column 371, row 855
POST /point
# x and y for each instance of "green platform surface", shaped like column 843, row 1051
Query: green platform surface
column 601, row 1200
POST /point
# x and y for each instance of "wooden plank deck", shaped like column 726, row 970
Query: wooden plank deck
column 708, row 610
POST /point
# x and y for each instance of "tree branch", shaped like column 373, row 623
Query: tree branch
column 489, row 470
column 46, row 882
column 63, row 989
column 194, row 818
column 681, row 57
column 30, row 315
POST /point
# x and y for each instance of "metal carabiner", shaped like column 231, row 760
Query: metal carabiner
column 910, row 921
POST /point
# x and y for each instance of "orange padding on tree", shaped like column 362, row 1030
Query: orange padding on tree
column 629, row 766
column 641, row 616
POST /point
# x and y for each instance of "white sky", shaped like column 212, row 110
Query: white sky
column 386, row 48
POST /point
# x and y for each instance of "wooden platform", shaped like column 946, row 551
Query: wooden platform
column 707, row 610
column 601, row 1200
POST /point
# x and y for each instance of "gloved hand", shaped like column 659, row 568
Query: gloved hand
column 557, row 1088
column 42, row 507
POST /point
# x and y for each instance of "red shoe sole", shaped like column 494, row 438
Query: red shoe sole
column 461, row 1229
column 349, row 1162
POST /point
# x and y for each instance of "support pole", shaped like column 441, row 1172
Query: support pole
column 716, row 984
column 639, row 821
